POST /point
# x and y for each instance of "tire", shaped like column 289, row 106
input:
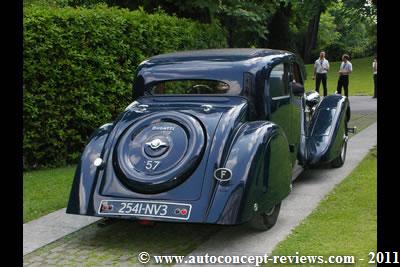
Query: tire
column 339, row 161
column 264, row 221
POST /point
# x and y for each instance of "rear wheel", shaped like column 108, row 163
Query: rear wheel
column 265, row 220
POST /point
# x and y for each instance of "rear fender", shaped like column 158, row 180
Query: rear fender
column 261, row 173
column 86, row 173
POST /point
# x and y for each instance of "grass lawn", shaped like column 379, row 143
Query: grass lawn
column 46, row 191
column 360, row 81
column 344, row 223
column 362, row 121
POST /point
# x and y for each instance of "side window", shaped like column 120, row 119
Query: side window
column 278, row 81
column 296, row 73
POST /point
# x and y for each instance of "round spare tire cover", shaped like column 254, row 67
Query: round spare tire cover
column 159, row 152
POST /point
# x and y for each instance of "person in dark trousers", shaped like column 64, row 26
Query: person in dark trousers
column 321, row 67
column 345, row 69
column 375, row 71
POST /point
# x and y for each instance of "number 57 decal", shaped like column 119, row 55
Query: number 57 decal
column 152, row 164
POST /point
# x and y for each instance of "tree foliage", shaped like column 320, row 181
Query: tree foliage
column 246, row 21
column 352, row 27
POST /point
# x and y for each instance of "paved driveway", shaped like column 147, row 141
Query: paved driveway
column 363, row 111
column 363, row 104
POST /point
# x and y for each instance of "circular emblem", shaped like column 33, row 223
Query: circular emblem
column 156, row 143
column 223, row 174
column 156, row 146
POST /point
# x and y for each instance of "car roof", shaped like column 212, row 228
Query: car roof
column 227, row 65
column 226, row 54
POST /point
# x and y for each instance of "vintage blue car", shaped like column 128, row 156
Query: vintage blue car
column 213, row 136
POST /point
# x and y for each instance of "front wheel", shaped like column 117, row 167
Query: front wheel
column 265, row 220
column 339, row 161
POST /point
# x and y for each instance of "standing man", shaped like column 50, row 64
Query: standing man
column 375, row 71
column 345, row 69
column 321, row 67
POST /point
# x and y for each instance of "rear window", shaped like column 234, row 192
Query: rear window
column 193, row 87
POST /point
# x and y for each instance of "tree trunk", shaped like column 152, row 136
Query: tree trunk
column 311, row 37
column 279, row 31
column 230, row 28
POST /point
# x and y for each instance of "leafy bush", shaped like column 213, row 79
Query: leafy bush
column 79, row 66
column 64, row 3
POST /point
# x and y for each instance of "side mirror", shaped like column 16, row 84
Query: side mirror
column 298, row 89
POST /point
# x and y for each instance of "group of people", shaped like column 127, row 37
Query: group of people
column 321, row 68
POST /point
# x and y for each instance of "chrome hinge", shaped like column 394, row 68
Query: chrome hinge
column 206, row 108
column 137, row 107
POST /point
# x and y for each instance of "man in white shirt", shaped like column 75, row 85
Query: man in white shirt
column 375, row 71
column 321, row 67
column 345, row 69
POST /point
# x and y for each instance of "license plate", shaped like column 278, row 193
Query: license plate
column 141, row 208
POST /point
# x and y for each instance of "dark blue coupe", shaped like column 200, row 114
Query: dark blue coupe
column 213, row 136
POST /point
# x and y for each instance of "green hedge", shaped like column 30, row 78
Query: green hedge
column 78, row 70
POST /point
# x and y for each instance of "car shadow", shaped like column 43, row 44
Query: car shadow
column 311, row 175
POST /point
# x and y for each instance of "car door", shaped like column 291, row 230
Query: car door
column 279, row 99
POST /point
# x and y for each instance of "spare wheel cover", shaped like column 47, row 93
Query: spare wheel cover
column 159, row 151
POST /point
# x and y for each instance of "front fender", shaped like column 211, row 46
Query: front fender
column 327, row 130
column 86, row 173
column 261, row 173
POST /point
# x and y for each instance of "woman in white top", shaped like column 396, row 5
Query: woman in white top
column 375, row 71
column 345, row 69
